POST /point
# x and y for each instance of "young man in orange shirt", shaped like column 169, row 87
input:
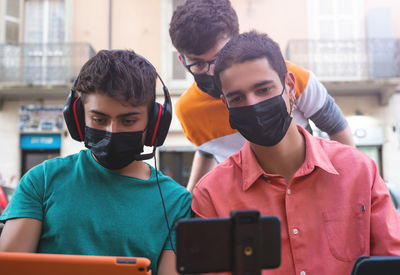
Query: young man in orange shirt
column 331, row 201
column 198, row 30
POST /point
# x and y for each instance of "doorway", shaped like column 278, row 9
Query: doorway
column 31, row 158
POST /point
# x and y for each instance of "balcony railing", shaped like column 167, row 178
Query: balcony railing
column 347, row 60
column 42, row 64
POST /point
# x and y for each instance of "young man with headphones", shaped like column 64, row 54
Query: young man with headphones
column 198, row 30
column 105, row 200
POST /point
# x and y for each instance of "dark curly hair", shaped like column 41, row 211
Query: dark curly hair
column 197, row 25
column 119, row 74
column 246, row 47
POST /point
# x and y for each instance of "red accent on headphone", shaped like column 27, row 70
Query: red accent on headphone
column 76, row 119
column 3, row 200
column 156, row 127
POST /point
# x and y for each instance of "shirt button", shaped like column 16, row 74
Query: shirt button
column 289, row 191
column 296, row 231
column 303, row 273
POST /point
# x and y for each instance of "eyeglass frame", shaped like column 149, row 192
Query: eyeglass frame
column 209, row 63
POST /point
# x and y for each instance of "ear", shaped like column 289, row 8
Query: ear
column 290, row 82
column 181, row 61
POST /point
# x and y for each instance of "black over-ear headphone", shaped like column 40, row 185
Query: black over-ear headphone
column 157, row 127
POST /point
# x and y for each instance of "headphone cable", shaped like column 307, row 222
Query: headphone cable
column 165, row 210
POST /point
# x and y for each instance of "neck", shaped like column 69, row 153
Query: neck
column 286, row 157
column 136, row 169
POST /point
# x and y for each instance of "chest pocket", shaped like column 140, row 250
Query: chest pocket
column 346, row 231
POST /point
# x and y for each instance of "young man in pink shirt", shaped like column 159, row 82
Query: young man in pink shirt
column 331, row 201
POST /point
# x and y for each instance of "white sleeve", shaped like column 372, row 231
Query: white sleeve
column 312, row 98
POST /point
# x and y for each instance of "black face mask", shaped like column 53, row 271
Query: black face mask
column 264, row 123
column 114, row 150
column 206, row 83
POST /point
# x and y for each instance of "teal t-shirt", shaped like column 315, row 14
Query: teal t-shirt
column 88, row 209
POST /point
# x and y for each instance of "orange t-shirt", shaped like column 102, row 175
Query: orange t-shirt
column 204, row 117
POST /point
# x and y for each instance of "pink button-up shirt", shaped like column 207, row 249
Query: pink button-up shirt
column 334, row 209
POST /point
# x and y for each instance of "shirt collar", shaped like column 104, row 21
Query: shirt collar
column 251, row 169
column 315, row 156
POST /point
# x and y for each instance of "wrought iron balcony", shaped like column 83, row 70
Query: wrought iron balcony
column 41, row 64
column 347, row 60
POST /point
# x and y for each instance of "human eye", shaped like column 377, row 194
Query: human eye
column 128, row 121
column 98, row 120
column 235, row 99
column 264, row 90
column 200, row 65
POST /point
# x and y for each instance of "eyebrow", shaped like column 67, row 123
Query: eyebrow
column 119, row 116
column 254, row 86
column 194, row 60
column 197, row 60
column 262, row 83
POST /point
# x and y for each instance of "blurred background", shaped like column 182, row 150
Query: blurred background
column 353, row 46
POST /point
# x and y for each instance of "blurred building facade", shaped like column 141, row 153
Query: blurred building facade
column 352, row 46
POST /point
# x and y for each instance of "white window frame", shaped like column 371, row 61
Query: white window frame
column 317, row 53
column 67, row 23
column 168, row 49
column 44, row 53
column 357, row 18
column 10, row 18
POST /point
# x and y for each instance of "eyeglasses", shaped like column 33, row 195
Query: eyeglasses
column 200, row 67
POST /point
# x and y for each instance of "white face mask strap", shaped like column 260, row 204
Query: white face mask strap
column 291, row 100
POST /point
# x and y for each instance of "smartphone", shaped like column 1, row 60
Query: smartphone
column 382, row 265
column 219, row 244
